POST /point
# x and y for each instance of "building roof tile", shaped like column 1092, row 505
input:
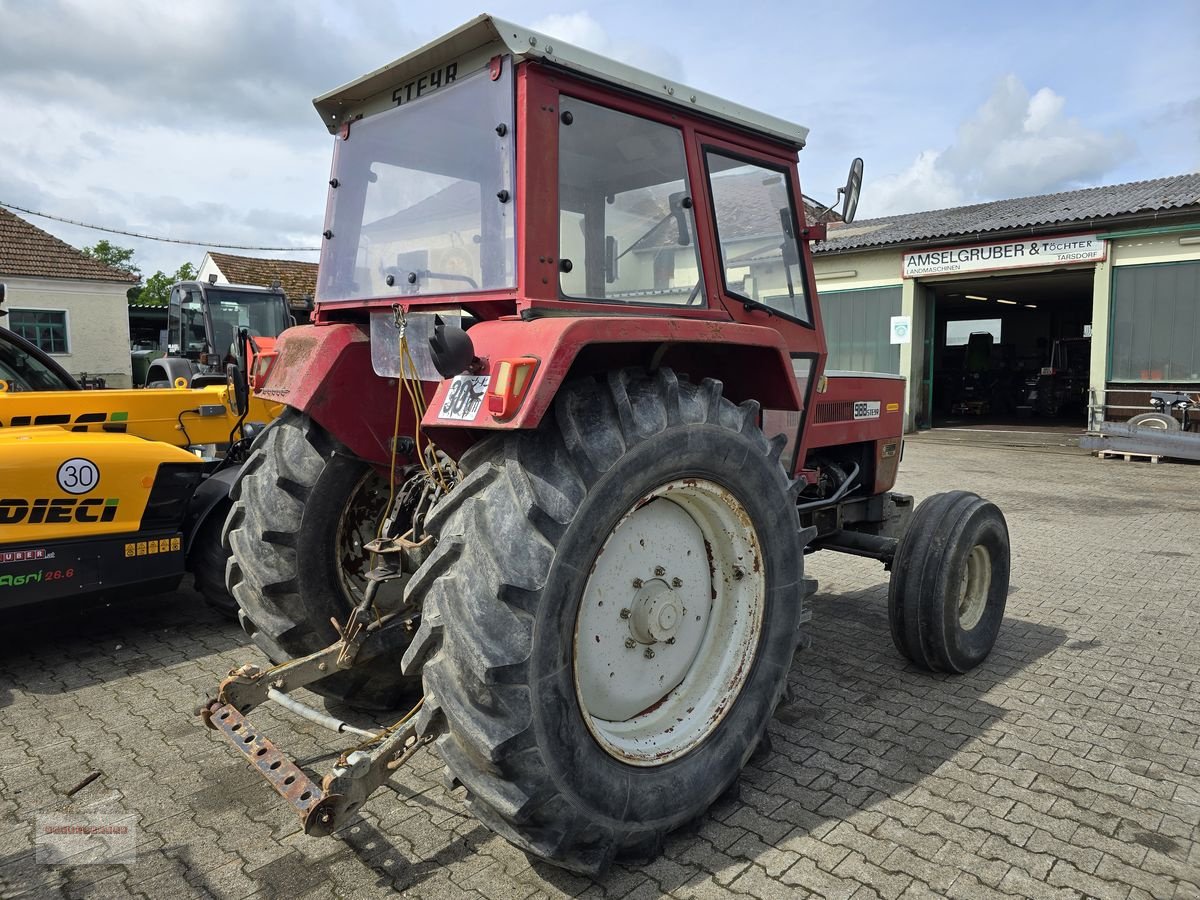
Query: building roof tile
column 1083, row 207
column 298, row 278
column 26, row 250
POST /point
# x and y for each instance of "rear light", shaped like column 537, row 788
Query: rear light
column 510, row 380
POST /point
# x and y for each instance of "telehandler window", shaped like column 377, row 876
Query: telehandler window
column 627, row 232
column 756, row 225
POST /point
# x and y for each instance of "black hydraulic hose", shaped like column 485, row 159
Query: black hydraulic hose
column 837, row 496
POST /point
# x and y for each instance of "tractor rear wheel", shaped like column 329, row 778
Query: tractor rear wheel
column 302, row 508
column 610, row 615
column 949, row 582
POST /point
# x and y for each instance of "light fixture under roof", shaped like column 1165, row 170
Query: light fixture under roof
column 1008, row 302
column 1031, row 306
column 973, row 297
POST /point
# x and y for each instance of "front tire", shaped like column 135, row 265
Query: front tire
column 949, row 582
column 650, row 521
column 302, row 507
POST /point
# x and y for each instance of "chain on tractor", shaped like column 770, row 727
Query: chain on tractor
column 399, row 549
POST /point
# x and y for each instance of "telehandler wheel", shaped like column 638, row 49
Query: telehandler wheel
column 950, row 582
column 303, row 507
column 610, row 615
column 207, row 563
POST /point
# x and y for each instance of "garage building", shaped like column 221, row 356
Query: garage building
column 1032, row 310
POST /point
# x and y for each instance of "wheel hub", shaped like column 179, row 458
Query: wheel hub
column 669, row 622
column 655, row 613
column 974, row 588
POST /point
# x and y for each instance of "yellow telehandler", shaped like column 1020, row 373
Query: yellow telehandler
column 105, row 490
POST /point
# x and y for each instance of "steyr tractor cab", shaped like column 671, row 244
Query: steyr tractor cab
column 566, row 335
column 212, row 326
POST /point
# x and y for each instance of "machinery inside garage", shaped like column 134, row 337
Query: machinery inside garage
column 1012, row 350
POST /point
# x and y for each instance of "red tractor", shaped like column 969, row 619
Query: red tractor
column 557, row 444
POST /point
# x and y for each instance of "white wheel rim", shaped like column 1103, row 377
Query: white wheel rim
column 669, row 624
column 976, row 584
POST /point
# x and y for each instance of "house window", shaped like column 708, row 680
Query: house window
column 47, row 328
column 1156, row 325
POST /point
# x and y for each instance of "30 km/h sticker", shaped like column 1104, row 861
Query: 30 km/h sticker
column 464, row 397
column 78, row 475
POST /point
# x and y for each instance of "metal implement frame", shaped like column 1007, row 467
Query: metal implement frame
column 1132, row 439
column 359, row 771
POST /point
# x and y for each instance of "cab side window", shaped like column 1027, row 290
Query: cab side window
column 627, row 230
column 756, row 228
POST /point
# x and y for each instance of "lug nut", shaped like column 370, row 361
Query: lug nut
column 630, row 643
column 625, row 614
column 738, row 573
column 670, row 640
column 637, row 583
column 659, row 571
column 649, row 654
column 676, row 582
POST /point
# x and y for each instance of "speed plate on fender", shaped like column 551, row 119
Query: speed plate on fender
column 464, row 397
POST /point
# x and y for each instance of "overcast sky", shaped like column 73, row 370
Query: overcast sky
column 194, row 119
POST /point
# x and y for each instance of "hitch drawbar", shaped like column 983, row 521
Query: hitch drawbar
column 322, row 808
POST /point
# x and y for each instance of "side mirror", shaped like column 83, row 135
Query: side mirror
column 611, row 260
column 851, row 191
column 239, row 388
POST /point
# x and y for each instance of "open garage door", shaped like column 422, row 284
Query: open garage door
column 1010, row 352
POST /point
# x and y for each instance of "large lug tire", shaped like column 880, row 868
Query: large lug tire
column 949, row 582
column 208, row 560
column 1155, row 421
column 643, row 535
column 302, row 507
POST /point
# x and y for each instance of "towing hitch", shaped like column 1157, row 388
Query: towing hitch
column 359, row 771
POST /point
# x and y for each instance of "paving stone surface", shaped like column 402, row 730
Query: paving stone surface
column 1066, row 766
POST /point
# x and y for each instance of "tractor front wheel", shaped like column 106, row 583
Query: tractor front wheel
column 949, row 582
column 610, row 615
column 303, row 507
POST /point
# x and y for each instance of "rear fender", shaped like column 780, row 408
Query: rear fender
column 751, row 361
column 325, row 371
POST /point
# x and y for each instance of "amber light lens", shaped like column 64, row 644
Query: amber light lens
column 510, row 381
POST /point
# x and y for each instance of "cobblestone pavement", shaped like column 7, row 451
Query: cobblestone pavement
column 1068, row 765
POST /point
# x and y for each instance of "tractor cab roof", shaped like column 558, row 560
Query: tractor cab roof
column 471, row 46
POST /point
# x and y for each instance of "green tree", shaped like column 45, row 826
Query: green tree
column 112, row 255
column 118, row 258
column 157, row 289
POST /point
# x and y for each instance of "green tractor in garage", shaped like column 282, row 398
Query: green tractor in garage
column 566, row 316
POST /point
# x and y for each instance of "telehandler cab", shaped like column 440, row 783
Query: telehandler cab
column 566, row 313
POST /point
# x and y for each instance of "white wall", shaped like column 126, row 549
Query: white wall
column 209, row 267
column 97, row 322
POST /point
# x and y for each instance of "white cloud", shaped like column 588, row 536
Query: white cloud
column 1013, row 145
column 582, row 30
